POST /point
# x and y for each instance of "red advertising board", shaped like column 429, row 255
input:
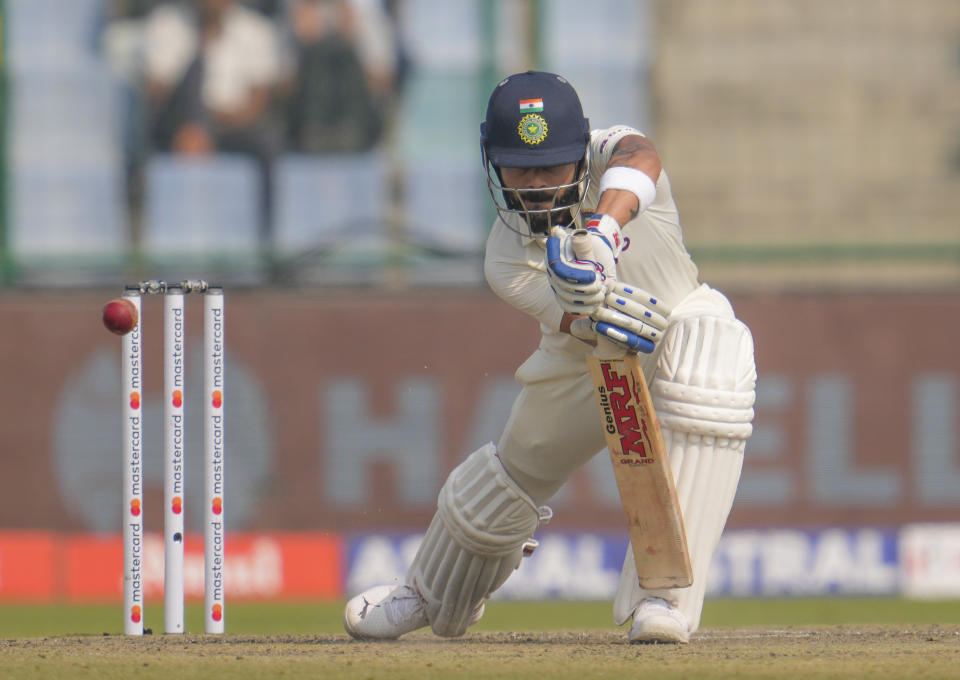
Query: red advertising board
column 41, row 566
column 28, row 566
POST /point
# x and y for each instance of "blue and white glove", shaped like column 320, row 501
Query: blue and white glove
column 630, row 317
column 580, row 283
column 582, row 269
column 607, row 230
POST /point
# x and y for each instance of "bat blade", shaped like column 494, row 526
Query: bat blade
column 643, row 474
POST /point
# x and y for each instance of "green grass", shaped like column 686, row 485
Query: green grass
column 20, row 621
column 823, row 611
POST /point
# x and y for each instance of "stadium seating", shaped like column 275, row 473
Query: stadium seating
column 325, row 200
column 201, row 209
column 444, row 205
column 52, row 33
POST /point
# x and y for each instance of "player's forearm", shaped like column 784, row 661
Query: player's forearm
column 621, row 205
column 638, row 153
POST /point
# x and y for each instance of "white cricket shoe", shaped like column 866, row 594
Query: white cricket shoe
column 387, row 612
column 656, row 620
column 384, row 613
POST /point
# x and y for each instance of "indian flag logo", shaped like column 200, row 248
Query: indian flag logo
column 531, row 105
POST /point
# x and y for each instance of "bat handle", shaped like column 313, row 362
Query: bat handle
column 582, row 247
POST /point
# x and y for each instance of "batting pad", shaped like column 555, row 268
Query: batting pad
column 475, row 541
column 703, row 393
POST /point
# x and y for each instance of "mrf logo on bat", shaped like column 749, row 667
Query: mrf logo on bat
column 621, row 416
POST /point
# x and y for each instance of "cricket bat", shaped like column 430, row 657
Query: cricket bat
column 640, row 463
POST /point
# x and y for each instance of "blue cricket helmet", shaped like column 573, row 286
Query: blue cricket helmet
column 535, row 120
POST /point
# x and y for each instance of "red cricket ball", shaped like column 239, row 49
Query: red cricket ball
column 120, row 316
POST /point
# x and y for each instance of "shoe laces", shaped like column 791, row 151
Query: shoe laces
column 403, row 606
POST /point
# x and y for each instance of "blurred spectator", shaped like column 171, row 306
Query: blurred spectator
column 131, row 9
column 344, row 69
column 211, row 69
column 270, row 8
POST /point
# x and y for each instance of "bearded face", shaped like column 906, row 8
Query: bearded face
column 544, row 208
column 544, row 196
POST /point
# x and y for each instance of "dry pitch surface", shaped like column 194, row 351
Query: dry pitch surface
column 927, row 651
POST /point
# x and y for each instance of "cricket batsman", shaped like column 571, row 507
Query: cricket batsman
column 549, row 174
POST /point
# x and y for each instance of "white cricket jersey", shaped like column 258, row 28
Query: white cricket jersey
column 654, row 258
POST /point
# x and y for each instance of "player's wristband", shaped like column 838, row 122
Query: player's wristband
column 635, row 181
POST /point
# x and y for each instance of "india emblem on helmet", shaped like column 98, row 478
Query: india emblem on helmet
column 532, row 128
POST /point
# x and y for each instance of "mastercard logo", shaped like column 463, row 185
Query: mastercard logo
column 217, row 613
column 177, row 505
column 217, row 399
column 135, row 614
column 135, row 507
column 217, row 505
column 134, row 400
column 177, row 398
